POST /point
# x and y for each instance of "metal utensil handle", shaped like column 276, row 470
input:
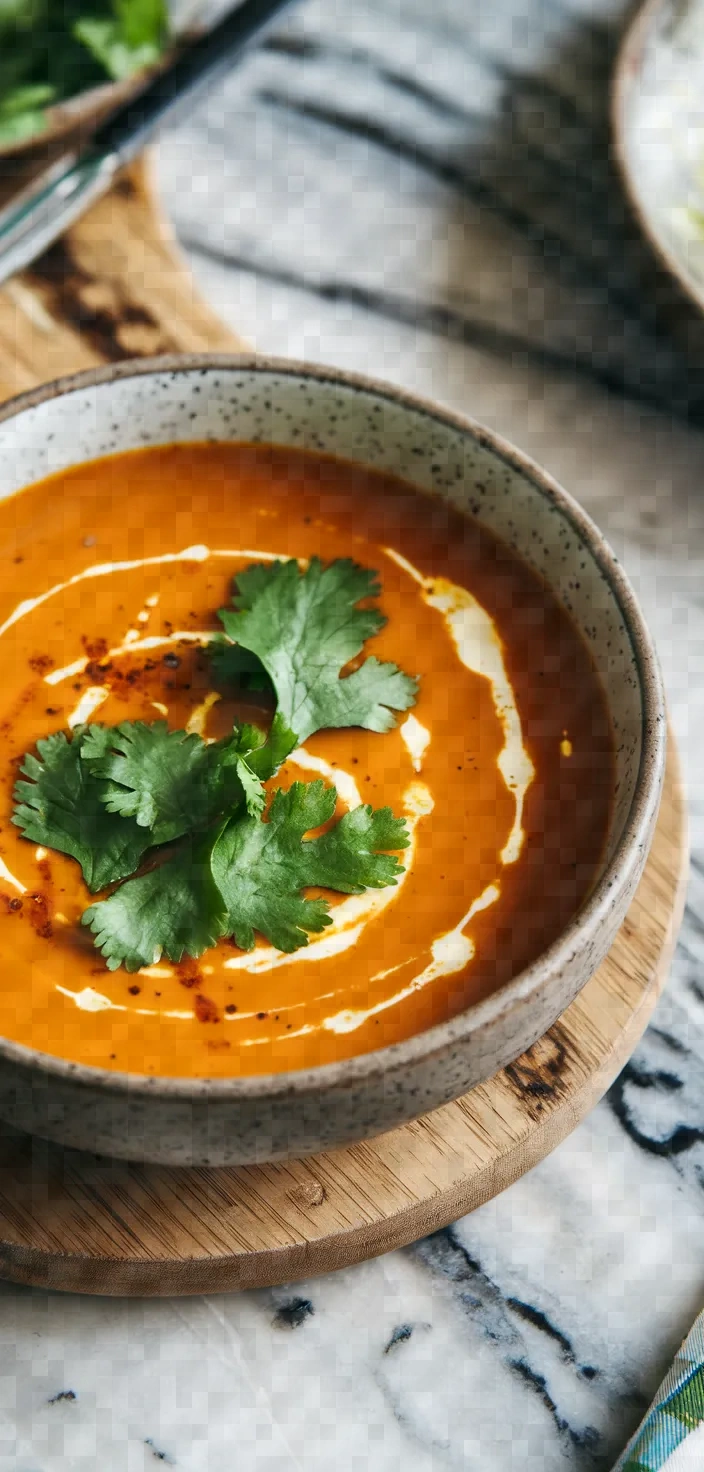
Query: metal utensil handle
column 204, row 60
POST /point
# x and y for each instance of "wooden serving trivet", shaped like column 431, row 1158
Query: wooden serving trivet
column 116, row 287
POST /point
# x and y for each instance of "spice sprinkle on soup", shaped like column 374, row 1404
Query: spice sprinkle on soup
column 298, row 762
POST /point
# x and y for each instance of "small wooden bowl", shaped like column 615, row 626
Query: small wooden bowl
column 71, row 123
column 225, row 1122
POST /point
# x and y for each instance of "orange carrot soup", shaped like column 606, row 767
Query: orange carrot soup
column 501, row 763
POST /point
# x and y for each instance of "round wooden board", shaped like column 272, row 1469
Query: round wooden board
column 84, row 1223
column 115, row 287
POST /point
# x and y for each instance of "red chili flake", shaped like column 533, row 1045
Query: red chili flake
column 134, row 991
column 217, row 1045
column 230, row 1008
column 95, row 648
column 171, row 661
column 262, row 1015
column 39, row 916
column 205, row 1009
column 53, row 710
column 12, row 905
column 40, row 663
column 189, row 974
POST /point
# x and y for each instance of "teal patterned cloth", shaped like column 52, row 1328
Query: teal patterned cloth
column 672, row 1435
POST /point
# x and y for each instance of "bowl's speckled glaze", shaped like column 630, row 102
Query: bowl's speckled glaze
column 180, row 1121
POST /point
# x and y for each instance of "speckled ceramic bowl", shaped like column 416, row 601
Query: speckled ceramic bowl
column 181, row 1121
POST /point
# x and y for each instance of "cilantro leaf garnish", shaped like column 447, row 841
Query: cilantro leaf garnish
column 22, row 112
column 356, row 850
column 170, row 910
column 249, row 875
column 113, row 792
column 51, row 50
column 131, row 38
column 111, row 795
column 168, row 781
column 304, row 628
column 265, row 758
column 232, row 665
column 262, row 868
column 61, row 806
column 156, row 776
column 251, row 759
column 174, row 783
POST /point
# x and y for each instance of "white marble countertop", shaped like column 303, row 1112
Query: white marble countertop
column 423, row 192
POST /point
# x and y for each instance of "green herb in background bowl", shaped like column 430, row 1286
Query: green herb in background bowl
column 53, row 51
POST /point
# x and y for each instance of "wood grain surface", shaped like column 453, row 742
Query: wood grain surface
column 117, row 287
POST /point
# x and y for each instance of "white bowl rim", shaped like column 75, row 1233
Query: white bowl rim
column 517, row 993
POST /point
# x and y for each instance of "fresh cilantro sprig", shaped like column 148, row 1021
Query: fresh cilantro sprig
column 173, row 782
column 60, row 804
column 113, row 792
column 160, row 778
column 304, row 628
column 51, row 50
column 178, row 823
column 173, row 909
column 248, row 876
column 261, row 868
column 133, row 36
